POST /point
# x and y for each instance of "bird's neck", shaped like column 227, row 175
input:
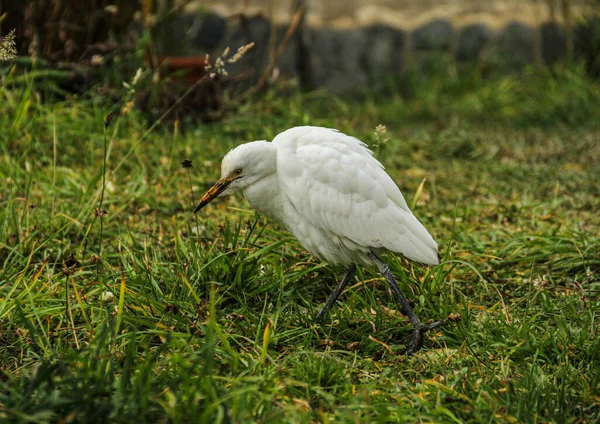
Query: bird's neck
column 265, row 197
column 264, row 192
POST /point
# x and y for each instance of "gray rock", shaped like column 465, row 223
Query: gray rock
column 435, row 35
column 515, row 45
column 554, row 42
column 188, row 34
column 586, row 35
column 586, row 40
column 209, row 31
column 384, row 50
column 336, row 58
column 472, row 40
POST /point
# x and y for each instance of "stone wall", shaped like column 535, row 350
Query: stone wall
column 403, row 14
column 352, row 52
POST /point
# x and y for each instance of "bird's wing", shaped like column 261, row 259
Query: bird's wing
column 334, row 182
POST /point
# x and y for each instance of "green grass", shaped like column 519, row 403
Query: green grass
column 161, row 318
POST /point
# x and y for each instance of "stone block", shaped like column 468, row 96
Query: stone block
column 209, row 31
column 515, row 45
column 384, row 50
column 435, row 35
column 586, row 40
column 512, row 48
column 554, row 42
column 337, row 58
column 471, row 41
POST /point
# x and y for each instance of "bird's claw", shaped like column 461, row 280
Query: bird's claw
column 436, row 324
column 416, row 342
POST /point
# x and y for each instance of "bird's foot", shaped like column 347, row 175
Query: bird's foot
column 416, row 342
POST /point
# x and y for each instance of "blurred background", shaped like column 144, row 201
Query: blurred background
column 120, row 305
column 338, row 45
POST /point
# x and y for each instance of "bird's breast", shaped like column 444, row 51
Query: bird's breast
column 265, row 197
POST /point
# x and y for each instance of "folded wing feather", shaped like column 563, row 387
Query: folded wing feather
column 334, row 181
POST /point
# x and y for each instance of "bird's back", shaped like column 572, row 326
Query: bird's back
column 342, row 203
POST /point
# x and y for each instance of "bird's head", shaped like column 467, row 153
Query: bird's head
column 241, row 167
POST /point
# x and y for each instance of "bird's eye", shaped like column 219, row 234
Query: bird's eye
column 237, row 172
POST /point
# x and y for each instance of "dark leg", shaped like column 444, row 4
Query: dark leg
column 338, row 290
column 417, row 341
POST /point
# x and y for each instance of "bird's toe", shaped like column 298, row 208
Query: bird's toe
column 435, row 324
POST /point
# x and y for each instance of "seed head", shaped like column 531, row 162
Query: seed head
column 108, row 119
column 240, row 52
column 136, row 77
column 8, row 47
column 107, row 296
column 127, row 108
column 380, row 132
column 99, row 213
column 70, row 265
column 71, row 261
column 97, row 60
column 111, row 9
column 454, row 317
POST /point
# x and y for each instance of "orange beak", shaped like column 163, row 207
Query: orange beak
column 213, row 192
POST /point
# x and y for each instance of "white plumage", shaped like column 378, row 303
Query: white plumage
column 340, row 203
column 328, row 190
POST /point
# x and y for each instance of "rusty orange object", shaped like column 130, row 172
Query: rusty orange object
column 194, row 66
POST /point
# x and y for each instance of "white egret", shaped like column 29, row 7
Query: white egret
column 328, row 190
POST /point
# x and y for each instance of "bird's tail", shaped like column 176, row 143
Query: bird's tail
column 416, row 243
